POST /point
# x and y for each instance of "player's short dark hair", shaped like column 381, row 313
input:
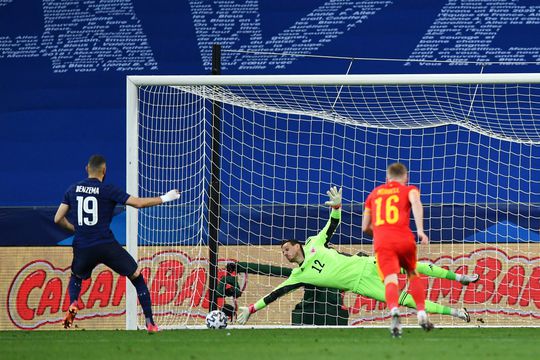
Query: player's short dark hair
column 291, row 241
column 396, row 170
column 96, row 162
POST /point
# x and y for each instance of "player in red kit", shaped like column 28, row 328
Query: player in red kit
column 386, row 217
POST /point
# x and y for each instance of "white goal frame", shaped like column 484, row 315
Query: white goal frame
column 132, row 112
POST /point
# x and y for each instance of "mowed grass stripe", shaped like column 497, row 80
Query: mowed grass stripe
column 305, row 344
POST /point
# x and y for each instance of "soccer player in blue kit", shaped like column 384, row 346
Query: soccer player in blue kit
column 94, row 243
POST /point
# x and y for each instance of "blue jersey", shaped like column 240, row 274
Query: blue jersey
column 93, row 203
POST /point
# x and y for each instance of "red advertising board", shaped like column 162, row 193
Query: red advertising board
column 33, row 287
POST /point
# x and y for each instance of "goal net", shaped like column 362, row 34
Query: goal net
column 471, row 143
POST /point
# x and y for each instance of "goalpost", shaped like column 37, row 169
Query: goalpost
column 471, row 143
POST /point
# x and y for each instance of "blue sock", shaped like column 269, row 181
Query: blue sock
column 144, row 297
column 74, row 288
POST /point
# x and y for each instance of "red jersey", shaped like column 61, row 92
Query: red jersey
column 390, row 214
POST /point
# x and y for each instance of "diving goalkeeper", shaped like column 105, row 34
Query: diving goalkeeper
column 319, row 265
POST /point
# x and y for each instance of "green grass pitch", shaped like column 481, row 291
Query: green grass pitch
column 258, row 344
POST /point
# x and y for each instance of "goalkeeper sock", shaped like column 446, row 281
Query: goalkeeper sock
column 416, row 289
column 74, row 288
column 392, row 295
column 144, row 298
column 434, row 308
column 450, row 275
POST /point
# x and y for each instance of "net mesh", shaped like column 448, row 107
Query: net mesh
column 473, row 150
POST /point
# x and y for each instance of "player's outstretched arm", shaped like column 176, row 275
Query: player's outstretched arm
column 140, row 203
column 258, row 269
column 244, row 313
column 335, row 217
column 60, row 218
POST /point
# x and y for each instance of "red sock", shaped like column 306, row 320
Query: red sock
column 416, row 289
column 392, row 295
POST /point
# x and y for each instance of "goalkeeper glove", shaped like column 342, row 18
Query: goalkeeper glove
column 335, row 197
column 244, row 313
column 170, row 196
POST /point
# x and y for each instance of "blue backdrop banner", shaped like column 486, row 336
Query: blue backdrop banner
column 250, row 225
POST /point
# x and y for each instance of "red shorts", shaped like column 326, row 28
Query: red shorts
column 390, row 259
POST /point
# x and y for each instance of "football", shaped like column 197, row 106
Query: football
column 216, row 320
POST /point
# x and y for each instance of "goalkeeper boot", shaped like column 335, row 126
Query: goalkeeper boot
column 70, row 315
column 463, row 314
column 467, row 279
column 423, row 321
column 395, row 324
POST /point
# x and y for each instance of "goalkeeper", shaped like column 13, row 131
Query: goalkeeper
column 321, row 266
